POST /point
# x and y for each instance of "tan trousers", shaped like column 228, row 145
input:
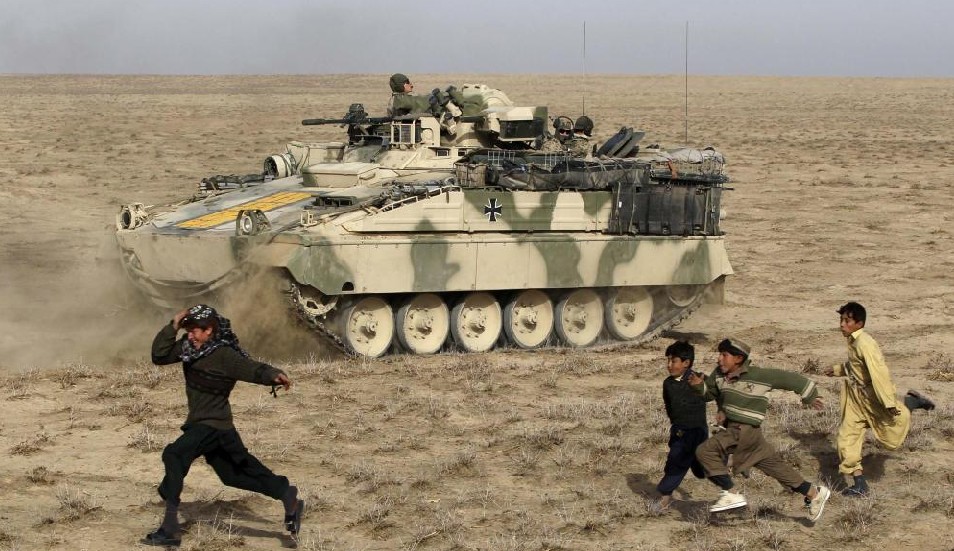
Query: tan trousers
column 860, row 412
column 749, row 449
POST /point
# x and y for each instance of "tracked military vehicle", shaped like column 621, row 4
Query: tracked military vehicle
column 451, row 229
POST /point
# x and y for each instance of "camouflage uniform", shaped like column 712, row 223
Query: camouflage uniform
column 578, row 146
column 403, row 104
column 402, row 101
column 552, row 145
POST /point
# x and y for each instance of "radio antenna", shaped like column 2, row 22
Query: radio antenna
column 687, row 83
column 584, row 67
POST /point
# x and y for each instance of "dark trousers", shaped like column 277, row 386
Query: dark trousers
column 224, row 451
column 682, row 457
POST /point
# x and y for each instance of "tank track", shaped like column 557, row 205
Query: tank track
column 315, row 323
column 675, row 317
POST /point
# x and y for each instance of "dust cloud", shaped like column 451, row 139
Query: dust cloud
column 86, row 313
column 91, row 313
column 262, row 318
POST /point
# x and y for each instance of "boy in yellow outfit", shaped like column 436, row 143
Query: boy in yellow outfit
column 868, row 399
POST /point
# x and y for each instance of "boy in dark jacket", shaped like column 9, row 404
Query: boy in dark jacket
column 212, row 362
column 687, row 414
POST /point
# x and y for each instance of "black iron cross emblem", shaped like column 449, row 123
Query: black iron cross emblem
column 492, row 210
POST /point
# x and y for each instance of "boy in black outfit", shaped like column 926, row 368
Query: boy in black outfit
column 212, row 362
column 687, row 413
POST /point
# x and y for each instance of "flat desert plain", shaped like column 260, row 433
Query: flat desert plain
column 842, row 190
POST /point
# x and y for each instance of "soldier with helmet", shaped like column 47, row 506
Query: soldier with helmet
column 578, row 144
column 438, row 103
column 562, row 130
column 403, row 101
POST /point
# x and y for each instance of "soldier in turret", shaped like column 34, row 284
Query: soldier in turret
column 439, row 103
column 403, row 101
column 556, row 142
column 578, row 144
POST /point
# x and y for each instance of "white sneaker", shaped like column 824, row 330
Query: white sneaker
column 727, row 500
column 817, row 505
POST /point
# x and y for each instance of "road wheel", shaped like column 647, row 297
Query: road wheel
column 629, row 311
column 684, row 295
column 422, row 324
column 528, row 319
column 367, row 326
column 476, row 322
column 579, row 318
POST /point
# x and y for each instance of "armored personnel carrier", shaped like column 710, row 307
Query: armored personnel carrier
column 451, row 228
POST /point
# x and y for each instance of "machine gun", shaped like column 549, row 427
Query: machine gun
column 356, row 115
column 357, row 120
column 361, row 126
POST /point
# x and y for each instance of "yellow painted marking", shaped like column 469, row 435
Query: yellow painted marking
column 264, row 204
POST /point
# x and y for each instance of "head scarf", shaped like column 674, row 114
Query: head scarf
column 222, row 336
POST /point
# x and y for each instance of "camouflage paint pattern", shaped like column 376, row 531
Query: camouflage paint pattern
column 461, row 239
column 493, row 239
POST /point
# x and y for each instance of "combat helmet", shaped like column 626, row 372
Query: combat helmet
column 397, row 82
column 562, row 126
column 562, row 123
column 583, row 124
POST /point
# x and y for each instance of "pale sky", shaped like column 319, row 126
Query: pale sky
column 913, row 38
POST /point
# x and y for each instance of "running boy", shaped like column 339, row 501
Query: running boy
column 212, row 362
column 687, row 415
column 868, row 399
column 741, row 390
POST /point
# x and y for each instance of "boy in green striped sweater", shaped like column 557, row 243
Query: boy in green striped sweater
column 741, row 389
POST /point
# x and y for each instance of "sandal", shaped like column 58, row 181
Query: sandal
column 922, row 401
column 293, row 521
column 160, row 538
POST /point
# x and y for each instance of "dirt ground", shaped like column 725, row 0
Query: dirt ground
column 841, row 191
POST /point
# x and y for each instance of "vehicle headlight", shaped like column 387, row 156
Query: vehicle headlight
column 131, row 216
column 280, row 166
column 251, row 222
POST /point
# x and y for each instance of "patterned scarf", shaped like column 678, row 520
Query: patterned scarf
column 223, row 336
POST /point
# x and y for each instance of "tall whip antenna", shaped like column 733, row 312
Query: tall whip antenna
column 584, row 67
column 687, row 83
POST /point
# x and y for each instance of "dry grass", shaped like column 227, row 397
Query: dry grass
column 811, row 366
column 33, row 444
column 69, row 375
column 213, row 535
column 73, row 505
column 529, row 451
column 146, row 439
column 941, row 368
column 19, row 385
column 569, row 450
column 134, row 408
column 858, row 519
column 41, row 475
column 7, row 540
